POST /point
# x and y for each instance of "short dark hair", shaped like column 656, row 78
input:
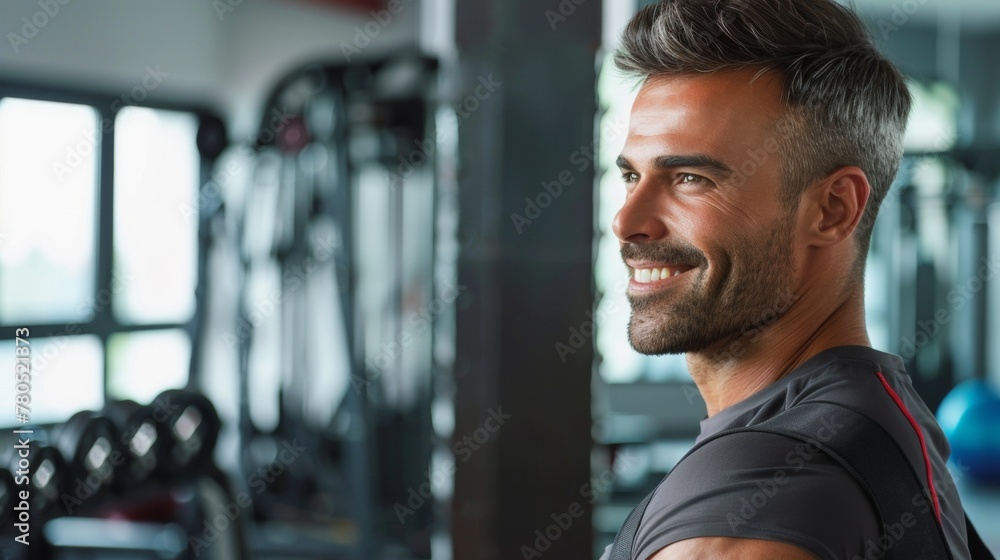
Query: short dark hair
column 848, row 104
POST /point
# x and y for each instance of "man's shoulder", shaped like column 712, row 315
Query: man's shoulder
column 745, row 453
column 846, row 380
column 871, row 387
column 764, row 486
column 881, row 391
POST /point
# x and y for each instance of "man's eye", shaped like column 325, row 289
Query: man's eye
column 691, row 178
column 630, row 177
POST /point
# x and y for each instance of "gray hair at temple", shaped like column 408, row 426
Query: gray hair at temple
column 847, row 104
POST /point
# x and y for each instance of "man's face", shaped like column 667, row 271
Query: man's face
column 703, row 179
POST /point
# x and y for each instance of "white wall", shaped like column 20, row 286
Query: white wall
column 227, row 62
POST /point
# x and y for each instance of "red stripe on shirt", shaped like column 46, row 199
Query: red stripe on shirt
column 920, row 436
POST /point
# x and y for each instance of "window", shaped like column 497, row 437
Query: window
column 155, row 244
column 48, row 191
column 98, row 248
column 895, row 251
column 619, row 362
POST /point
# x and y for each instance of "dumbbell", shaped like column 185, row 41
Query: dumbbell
column 144, row 436
column 92, row 449
column 42, row 473
column 193, row 428
column 8, row 498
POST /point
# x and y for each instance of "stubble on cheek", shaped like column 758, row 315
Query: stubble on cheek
column 715, row 306
column 677, row 321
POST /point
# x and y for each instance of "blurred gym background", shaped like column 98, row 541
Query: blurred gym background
column 335, row 278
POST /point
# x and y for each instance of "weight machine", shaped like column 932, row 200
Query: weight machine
column 338, row 311
column 941, row 225
column 339, row 319
column 930, row 240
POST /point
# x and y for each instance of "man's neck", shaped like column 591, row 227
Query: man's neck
column 725, row 378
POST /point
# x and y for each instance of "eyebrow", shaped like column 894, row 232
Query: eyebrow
column 697, row 161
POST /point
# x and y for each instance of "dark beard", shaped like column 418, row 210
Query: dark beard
column 751, row 288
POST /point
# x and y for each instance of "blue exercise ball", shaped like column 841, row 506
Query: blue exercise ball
column 970, row 418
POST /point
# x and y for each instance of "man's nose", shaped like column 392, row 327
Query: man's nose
column 638, row 220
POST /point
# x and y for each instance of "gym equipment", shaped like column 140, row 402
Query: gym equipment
column 144, row 437
column 8, row 498
column 970, row 418
column 79, row 538
column 48, row 474
column 41, row 473
column 927, row 274
column 91, row 447
column 193, row 428
column 169, row 498
column 211, row 138
column 339, row 219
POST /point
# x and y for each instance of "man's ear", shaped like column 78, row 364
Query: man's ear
column 833, row 206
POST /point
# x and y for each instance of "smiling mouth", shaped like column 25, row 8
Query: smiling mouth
column 657, row 274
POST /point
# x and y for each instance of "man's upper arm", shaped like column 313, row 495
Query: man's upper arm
column 725, row 548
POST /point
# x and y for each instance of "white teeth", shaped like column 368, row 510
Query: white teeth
column 646, row 275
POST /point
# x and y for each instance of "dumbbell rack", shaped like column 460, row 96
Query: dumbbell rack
column 129, row 481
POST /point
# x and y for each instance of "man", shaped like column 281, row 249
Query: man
column 763, row 138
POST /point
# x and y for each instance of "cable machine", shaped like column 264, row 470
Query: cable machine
column 337, row 252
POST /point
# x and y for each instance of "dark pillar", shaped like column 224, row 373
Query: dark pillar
column 528, row 278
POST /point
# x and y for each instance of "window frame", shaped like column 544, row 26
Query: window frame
column 104, row 324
